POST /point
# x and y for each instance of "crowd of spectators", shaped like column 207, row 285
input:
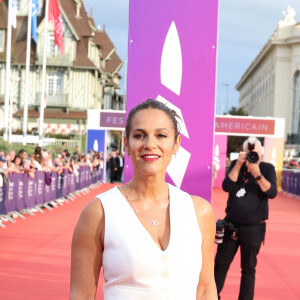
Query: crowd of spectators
column 41, row 160
column 291, row 164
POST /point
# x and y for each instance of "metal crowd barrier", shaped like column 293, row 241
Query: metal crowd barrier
column 291, row 182
column 23, row 194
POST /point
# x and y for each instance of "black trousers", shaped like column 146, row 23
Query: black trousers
column 249, row 240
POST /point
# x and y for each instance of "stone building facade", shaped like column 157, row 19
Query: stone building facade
column 271, row 84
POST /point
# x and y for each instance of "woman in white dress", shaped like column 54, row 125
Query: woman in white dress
column 153, row 240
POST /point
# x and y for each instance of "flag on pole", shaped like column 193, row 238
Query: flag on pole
column 35, row 8
column 55, row 16
column 13, row 13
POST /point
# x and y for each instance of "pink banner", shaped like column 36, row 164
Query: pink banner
column 219, row 160
column 273, row 153
column 172, row 58
column 244, row 125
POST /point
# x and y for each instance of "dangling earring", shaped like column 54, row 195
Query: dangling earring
column 128, row 155
column 175, row 154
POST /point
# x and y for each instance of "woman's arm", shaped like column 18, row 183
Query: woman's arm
column 206, row 289
column 87, row 247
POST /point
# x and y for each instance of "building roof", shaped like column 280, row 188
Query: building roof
column 80, row 26
column 53, row 114
column 19, row 37
column 113, row 64
column 3, row 14
column 103, row 41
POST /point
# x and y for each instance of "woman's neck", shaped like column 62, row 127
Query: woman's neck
column 149, row 190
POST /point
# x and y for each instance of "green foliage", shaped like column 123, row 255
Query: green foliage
column 235, row 143
column 237, row 112
column 5, row 147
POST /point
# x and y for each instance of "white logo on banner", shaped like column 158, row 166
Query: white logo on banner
column 216, row 160
column 171, row 77
column 171, row 61
column 95, row 146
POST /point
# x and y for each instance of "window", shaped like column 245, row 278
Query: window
column 55, row 83
column 18, row 3
column 52, row 48
column 296, row 105
column 2, row 37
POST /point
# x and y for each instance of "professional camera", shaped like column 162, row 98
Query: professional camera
column 220, row 229
column 234, row 231
column 252, row 156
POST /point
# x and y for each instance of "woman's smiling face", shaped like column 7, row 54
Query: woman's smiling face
column 151, row 142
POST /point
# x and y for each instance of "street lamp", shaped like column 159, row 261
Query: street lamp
column 227, row 98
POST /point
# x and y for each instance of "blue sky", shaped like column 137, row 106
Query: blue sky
column 244, row 27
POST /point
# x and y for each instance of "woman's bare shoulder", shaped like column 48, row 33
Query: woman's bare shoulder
column 91, row 219
column 202, row 206
column 205, row 216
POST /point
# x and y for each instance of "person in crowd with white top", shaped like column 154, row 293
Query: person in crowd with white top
column 153, row 240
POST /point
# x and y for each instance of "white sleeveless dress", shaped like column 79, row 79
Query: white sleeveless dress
column 135, row 267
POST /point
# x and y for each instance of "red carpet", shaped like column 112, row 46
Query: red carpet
column 277, row 273
column 35, row 253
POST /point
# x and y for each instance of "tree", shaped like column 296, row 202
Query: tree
column 235, row 143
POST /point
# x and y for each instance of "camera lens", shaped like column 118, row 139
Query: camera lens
column 219, row 232
column 252, row 157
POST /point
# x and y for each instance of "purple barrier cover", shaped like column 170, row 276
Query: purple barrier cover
column 77, row 180
column 59, row 186
column 53, row 186
column 19, row 188
column 294, row 184
column 11, row 194
column 102, row 174
column 88, row 177
column 82, row 177
column 72, row 183
column 29, row 191
column 65, row 183
column 287, row 182
column 283, row 180
column 47, row 193
column 25, row 192
column 2, row 200
column 40, row 187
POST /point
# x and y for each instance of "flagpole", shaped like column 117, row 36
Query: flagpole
column 25, row 108
column 7, row 79
column 42, row 103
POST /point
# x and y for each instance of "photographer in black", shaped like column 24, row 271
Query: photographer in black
column 250, row 183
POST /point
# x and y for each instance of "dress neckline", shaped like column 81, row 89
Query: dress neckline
column 126, row 204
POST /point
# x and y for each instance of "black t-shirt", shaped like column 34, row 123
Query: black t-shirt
column 246, row 203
